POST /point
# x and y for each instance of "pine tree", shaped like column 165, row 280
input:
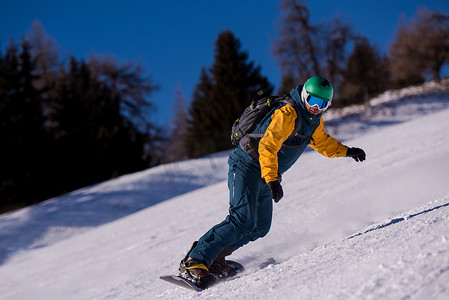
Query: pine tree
column 92, row 131
column 365, row 74
column 23, row 151
column 223, row 92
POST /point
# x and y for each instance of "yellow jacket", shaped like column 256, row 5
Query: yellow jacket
column 280, row 128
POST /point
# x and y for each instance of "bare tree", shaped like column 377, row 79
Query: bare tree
column 296, row 49
column 335, row 51
column 176, row 149
column 405, row 69
column 127, row 80
column 433, row 31
column 45, row 52
column 304, row 50
column 420, row 49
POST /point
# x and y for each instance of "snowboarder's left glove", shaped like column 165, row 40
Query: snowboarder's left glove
column 356, row 153
column 276, row 190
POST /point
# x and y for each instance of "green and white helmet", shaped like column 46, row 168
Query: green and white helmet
column 317, row 91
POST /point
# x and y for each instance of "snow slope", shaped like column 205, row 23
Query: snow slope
column 378, row 229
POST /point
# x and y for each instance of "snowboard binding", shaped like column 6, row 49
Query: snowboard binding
column 195, row 275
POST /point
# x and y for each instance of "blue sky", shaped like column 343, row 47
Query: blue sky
column 174, row 39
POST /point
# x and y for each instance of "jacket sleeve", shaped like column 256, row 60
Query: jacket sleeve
column 281, row 126
column 325, row 144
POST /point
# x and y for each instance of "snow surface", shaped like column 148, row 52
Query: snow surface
column 376, row 230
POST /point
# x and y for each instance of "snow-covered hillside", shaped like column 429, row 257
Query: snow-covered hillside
column 378, row 230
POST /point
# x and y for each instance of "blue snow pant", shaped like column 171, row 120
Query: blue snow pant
column 250, row 212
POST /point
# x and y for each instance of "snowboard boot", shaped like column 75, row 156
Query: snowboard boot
column 196, row 270
column 220, row 266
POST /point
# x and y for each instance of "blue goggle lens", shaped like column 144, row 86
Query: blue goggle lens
column 322, row 104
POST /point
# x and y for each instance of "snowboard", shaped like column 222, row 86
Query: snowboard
column 189, row 284
column 182, row 282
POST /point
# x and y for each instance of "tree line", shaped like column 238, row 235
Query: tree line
column 68, row 123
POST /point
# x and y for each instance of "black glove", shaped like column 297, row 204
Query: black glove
column 356, row 153
column 276, row 190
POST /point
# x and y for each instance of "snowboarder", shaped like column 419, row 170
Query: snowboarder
column 255, row 181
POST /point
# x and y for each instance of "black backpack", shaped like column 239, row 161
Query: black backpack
column 244, row 126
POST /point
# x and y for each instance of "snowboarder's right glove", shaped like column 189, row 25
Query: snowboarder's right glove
column 356, row 153
column 276, row 190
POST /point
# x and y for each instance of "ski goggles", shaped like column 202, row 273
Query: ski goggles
column 315, row 101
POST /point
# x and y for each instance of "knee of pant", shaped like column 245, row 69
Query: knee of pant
column 243, row 225
column 261, row 232
column 265, row 231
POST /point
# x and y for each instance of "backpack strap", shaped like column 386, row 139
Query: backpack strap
column 284, row 99
column 249, row 145
column 288, row 100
